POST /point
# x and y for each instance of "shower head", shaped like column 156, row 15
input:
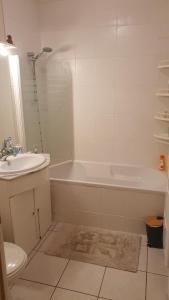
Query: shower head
column 44, row 50
column 33, row 57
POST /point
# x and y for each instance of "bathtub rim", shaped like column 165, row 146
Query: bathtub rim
column 104, row 185
column 105, row 163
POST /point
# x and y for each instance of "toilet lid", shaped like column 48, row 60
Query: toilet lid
column 15, row 257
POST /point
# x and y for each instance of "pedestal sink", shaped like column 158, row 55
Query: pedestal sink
column 21, row 163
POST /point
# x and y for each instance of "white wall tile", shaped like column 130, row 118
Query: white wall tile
column 116, row 46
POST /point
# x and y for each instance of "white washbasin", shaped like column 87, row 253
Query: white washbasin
column 21, row 163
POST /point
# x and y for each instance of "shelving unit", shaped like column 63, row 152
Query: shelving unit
column 162, row 116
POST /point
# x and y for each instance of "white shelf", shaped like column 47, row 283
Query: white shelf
column 162, row 137
column 162, row 116
column 162, row 93
column 164, row 65
column 161, row 142
column 161, row 119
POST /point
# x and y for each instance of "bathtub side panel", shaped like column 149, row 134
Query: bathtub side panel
column 107, row 208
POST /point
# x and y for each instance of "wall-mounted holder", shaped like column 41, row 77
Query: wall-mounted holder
column 162, row 138
column 162, row 116
column 164, row 64
column 163, row 93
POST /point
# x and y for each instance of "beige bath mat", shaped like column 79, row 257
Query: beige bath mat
column 114, row 249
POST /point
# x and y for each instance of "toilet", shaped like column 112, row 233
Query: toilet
column 16, row 260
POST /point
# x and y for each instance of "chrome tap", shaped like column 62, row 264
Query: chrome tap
column 7, row 143
column 9, row 149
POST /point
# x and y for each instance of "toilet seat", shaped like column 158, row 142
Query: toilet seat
column 16, row 259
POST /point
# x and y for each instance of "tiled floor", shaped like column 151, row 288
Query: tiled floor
column 53, row 278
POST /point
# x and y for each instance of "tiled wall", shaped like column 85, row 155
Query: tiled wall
column 112, row 49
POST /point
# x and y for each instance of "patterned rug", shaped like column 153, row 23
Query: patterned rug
column 99, row 246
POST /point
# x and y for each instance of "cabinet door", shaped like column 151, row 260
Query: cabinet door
column 23, row 220
column 43, row 207
column 2, row 29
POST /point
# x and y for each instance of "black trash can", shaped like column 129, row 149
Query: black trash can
column 154, row 228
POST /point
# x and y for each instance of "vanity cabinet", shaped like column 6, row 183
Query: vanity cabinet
column 25, row 207
column 2, row 27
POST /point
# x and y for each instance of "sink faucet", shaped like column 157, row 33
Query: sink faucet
column 9, row 149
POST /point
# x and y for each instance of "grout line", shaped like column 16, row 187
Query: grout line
column 53, row 293
column 29, row 280
column 158, row 274
column 136, row 271
column 123, row 270
column 61, row 288
column 75, row 291
column 45, row 237
column 146, row 276
column 63, row 272
column 102, row 282
column 30, row 259
column 59, row 279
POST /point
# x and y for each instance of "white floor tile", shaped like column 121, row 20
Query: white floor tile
column 61, row 294
column 156, row 287
column 82, row 277
column 156, row 261
column 143, row 259
column 144, row 240
column 25, row 290
column 120, row 285
column 45, row 269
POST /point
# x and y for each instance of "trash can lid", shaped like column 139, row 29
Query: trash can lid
column 153, row 221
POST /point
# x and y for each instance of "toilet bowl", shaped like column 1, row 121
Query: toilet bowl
column 16, row 260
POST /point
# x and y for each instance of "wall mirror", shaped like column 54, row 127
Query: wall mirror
column 7, row 116
column 11, row 117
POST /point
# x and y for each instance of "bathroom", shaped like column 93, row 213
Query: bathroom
column 84, row 99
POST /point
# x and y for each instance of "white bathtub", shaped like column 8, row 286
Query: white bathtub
column 106, row 195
